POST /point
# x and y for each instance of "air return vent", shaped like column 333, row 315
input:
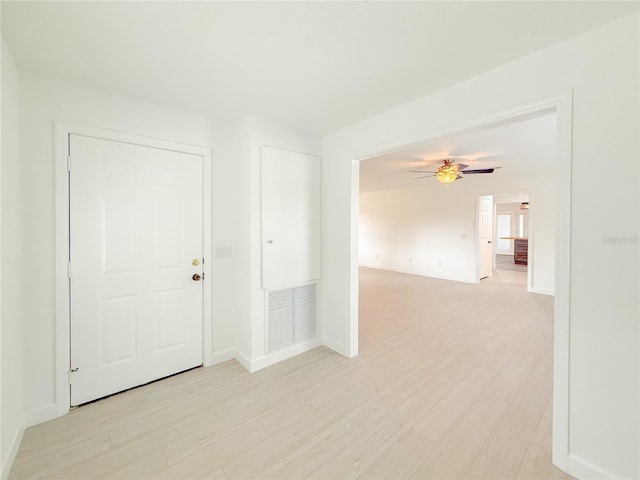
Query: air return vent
column 292, row 315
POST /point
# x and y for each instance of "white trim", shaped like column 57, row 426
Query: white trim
column 335, row 346
column 542, row 291
column 419, row 273
column 284, row 354
column 223, row 356
column 13, row 451
column 578, row 468
column 207, row 253
column 243, row 360
column 562, row 105
column 39, row 415
column 62, row 133
column 32, row 417
column 354, row 280
column 562, row 309
column 531, row 235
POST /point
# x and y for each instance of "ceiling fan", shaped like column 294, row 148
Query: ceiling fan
column 449, row 171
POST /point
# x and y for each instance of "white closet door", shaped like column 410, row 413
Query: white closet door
column 290, row 217
column 135, row 231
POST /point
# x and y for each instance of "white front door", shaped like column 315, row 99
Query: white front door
column 135, row 245
column 485, row 208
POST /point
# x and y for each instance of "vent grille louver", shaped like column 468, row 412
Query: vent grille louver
column 292, row 316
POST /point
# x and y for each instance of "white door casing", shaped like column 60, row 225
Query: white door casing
column 485, row 214
column 136, row 227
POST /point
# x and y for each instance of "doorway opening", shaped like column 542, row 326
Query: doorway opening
column 398, row 245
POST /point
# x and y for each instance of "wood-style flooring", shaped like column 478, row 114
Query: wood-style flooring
column 453, row 381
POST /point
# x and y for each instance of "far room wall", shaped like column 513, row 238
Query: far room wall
column 430, row 229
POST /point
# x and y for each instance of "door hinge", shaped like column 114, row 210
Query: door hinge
column 71, row 370
column 68, row 163
column 69, row 269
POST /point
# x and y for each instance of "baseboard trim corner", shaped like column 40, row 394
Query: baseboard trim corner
column 578, row 468
column 281, row 355
column 542, row 291
column 40, row 415
column 335, row 346
column 243, row 360
column 7, row 462
column 221, row 356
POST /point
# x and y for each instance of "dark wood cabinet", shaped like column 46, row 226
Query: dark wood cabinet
column 521, row 246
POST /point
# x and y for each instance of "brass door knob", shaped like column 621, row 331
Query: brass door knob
column 196, row 277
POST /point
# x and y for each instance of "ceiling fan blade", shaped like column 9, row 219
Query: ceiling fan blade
column 421, row 171
column 461, row 166
column 480, row 170
column 424, row 176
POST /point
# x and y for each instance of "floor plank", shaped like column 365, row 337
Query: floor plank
column 453, row 380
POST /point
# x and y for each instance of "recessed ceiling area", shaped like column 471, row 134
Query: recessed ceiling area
column 315, row 66
column 518, row 148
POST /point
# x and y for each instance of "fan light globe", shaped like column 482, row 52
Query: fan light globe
column 447, row 174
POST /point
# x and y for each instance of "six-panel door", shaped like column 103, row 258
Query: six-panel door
column 135, row 245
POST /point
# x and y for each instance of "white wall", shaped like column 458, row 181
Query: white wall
column 45, row 101
column 263, row 132
column 238, row 303
column 12, row 318
column 420, row 229
column 601, row 68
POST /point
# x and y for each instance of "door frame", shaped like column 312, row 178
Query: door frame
column 562, row 105
column 530, row 235
column 62, row 299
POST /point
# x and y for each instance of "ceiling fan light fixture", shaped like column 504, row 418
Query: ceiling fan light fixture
column 447, row 174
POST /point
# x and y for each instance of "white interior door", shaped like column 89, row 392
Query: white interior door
column 485, row 209
column 290, row 217
column 135, row 244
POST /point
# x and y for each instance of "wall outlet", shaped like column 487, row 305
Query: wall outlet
column 410, row 260
column 439, row 263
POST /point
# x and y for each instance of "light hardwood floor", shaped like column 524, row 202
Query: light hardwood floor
column 452, row 381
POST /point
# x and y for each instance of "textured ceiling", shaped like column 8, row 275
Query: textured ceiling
column 318, row 66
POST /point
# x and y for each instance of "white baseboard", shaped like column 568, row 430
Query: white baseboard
column 7, row 462
column 542, row 291
column 583, row 470
column 220, row 357
column 32, row 417
column 243, row 360
column 335, row 346
column 281, row 355
column 40, row 415
column 420, row 273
